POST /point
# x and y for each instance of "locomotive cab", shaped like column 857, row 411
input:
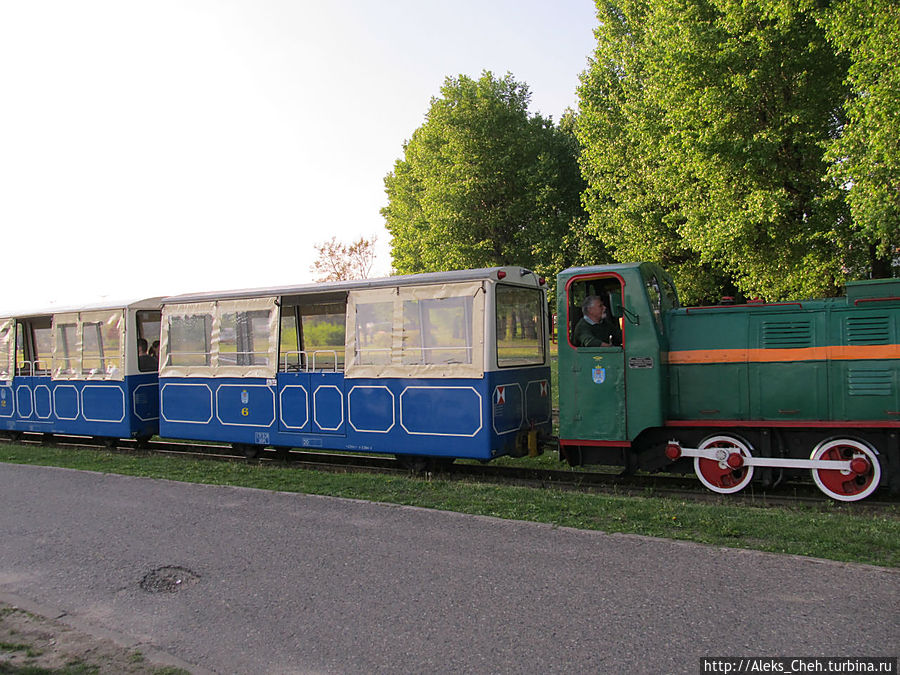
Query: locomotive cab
column 611, row 392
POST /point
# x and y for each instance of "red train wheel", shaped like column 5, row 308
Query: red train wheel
column 850, row 485
column 718, row 475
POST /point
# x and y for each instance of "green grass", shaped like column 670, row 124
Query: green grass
column 837, row 532
column 26, row 649
column 73, row 668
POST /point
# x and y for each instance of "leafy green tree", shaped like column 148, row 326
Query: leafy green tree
column 866, row 156
column 482, row 182
column 703, row 124
column 619, row 127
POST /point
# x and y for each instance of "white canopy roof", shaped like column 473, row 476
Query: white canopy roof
column 514, row 275
column 142, row 303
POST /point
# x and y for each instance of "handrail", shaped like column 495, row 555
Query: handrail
column 885, row 299
column 747, row 304
column 300, row 361
column 325, row 351
column 33, row 369
column 305, row 364
column 468, row 348
column 228, row 357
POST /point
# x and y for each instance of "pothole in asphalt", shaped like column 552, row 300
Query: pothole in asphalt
column 168, row 579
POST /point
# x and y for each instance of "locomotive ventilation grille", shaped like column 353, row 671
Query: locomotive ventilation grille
column 869, row 381
column 787, row 334
column 868, row 330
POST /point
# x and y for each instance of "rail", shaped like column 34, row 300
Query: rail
column 577, row 480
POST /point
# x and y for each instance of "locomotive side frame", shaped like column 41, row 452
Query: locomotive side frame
column 735, row 392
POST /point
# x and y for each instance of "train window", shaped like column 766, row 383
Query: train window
column 323, row 334
column 228, row 338
column 23, row 363
column 290, row 341
column 655, row 296
column 244, row 339
column 520, row 329
column 416, row 331
column 65, row 357
column 671, row 295
column 148, row 322
column 190, row 340
column 7, row 348
column 102, row 344
column 374, row 332
column 313, row 336
column 437, row 330
column 29, row 351
column 92, row 358
column 41, row 345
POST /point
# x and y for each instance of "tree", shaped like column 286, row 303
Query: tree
column 703, row 124
column 337, row 261
column 482, row 182
column 866, row 155
column 619, row 127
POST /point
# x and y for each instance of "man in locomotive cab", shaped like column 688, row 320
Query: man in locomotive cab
column 596, row 328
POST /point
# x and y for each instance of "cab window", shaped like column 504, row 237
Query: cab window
column 654, row 294
column 595, row 313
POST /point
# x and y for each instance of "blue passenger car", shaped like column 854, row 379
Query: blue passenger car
column 442, row 365
column 79, row 372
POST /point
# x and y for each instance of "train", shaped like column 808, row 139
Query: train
column 440, row 366
column 429, row 367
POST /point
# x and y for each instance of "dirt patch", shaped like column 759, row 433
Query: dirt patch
column 30, row 644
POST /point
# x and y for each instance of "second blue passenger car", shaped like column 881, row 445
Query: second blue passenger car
column 443, row 365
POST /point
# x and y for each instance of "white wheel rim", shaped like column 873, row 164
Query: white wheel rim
column 859, row 450
column 724, row 441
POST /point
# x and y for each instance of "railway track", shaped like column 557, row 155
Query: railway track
column 612, row 483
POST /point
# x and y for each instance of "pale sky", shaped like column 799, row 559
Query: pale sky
column 153, row 148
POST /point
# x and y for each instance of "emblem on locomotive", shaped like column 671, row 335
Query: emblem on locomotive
column 598, row 374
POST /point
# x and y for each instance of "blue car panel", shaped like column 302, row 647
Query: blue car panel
column 472, row 418
column 116, row 409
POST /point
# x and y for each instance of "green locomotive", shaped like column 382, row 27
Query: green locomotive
column 760, row 390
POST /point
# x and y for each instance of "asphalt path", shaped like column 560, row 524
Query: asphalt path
column 288, row 583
